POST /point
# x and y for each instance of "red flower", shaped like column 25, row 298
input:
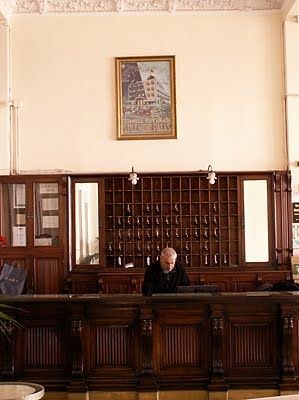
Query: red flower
column 3, row 241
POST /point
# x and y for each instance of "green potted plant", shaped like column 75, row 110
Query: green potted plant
column 6, row 320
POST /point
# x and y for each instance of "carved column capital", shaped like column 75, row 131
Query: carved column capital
column 288, row 323
column 76, row 327
column 146, row 325
column 217, row 326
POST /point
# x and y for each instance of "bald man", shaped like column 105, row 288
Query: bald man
column 165, row 275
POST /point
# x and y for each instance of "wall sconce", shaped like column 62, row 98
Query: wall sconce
column 211, row 175
column 133, row 177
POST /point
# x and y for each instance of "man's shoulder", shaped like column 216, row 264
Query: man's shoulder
column 179, row 265
column 154, row 267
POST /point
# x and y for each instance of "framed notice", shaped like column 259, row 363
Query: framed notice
column 48, row 188
column 19, row 195
column 19, row 236
column 50, row 204
column 145, row 97
column 50, row 221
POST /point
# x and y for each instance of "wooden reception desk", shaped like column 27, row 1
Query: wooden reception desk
column 210, row 342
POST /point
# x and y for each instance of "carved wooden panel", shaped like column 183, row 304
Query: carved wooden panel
column 112, row 346
column 117, row 287
column 119, row 283
column 230, row 282
column 48, row 275
column 274, row 276
column 44, row 347
column 245, row 286
column 83, row 283
column 250, row 345
column 181, row 345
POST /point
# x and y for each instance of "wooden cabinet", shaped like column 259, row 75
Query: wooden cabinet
column 204, row 223
column 33, row 222
column 102, row 234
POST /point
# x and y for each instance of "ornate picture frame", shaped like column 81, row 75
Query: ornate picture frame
column 145, row 97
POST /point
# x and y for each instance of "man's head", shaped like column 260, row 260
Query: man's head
column 167, row 259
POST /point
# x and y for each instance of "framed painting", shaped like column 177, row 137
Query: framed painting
column 145, row 97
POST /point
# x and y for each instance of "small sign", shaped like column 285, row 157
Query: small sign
column 296, row 237
column 295, row 213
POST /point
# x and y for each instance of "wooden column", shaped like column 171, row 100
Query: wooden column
column 147, row 377
column 217, row 378
column 288, row 371
column 77, row 367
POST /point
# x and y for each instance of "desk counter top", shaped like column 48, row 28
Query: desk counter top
column 139, row 299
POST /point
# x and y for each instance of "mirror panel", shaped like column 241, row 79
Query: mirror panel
column 256, row 220
column 14, row 219
column 87, row 223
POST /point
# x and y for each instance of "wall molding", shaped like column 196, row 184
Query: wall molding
column 143, row 6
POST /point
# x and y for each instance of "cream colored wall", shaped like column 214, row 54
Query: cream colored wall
column 229, row 85
column 291, row 33
column 4, row 95
column 292, row 103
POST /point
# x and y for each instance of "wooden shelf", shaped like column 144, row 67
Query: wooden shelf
column 199, row 220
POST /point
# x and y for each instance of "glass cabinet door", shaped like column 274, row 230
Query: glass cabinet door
column 14, row 216
column 46, row 214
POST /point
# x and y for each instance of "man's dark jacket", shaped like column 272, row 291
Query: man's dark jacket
column 156, row 281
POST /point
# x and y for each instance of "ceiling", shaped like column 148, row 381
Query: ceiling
column 130, row 7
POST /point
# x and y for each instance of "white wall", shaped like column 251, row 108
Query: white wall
column 292, row 103
column 229, row 91
column 4, row 96
column 291, row 31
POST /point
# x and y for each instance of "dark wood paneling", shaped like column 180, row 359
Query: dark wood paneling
column 128, row 282
column 46, row 265
column 203, row 222
column 44, row 347
column 167, row 342
column 81, row 283
column 181, row 346
column 49, row 275
column 251, row 345
column 113, row 346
